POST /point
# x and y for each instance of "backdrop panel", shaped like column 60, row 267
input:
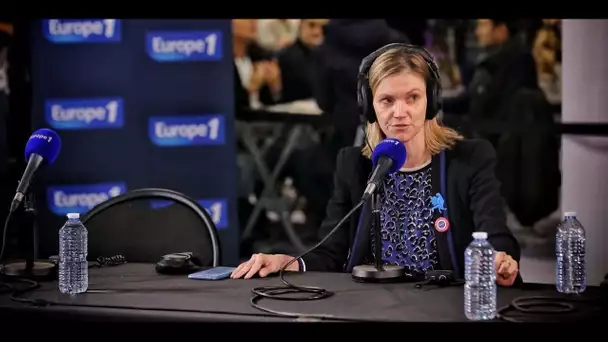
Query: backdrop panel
column 137, row 103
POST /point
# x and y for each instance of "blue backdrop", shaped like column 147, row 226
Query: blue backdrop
column 137, row 103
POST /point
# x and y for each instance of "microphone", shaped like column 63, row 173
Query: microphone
column 42, row 148
column 388, row 157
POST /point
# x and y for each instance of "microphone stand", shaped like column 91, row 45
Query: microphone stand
column 377, row 273
column 30, row 268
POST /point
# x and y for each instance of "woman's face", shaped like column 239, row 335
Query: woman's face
column 400, row 105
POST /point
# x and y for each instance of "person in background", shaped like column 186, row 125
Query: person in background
column 296, row 61
column 504, row 91
column 313, row 183
column 402, row 85
column 337, row 60
column 504, row 66
column 276, row 34
column 257, row 82
column 257, row 73
column 450, row 71
column 546, row 51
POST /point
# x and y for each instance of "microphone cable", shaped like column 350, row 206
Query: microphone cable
column 6, row 285
column 4, row 236
column 546, row 308
column 316, row 293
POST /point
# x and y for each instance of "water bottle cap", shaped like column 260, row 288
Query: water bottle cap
column 73, row 215
column 480, row 235
column 570, row 214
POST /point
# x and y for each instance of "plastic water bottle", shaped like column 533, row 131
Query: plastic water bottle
column 570, row 268
column 73, row 265
column 480, row 279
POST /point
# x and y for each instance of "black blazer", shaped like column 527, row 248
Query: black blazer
column 473, row 203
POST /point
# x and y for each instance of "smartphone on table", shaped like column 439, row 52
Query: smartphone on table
column 215, row 273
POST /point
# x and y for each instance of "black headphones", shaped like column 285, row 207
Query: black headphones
column 433, row 84
column 179, row 263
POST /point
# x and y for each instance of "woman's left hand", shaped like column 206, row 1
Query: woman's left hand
column 506, row 269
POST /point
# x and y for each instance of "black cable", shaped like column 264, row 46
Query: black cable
column 18, row 292
column 542, row 307
column 4, row 233
column 6, row 284
column 275, row 292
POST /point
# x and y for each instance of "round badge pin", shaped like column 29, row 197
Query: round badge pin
column 442, row 224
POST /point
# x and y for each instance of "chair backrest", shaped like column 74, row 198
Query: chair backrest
column 145, row 224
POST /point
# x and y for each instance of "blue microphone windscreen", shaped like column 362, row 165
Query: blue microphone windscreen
column 45, row 143
column 392, row 148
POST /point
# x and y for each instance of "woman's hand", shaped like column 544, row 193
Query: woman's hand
column 506, row 269
column 264, row 264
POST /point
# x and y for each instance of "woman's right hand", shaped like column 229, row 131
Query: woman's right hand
column 264, row 264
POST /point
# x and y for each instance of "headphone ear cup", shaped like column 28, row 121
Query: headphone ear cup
column 361, row 103
column 437, row 97
column 430, row 104
column 438, row 102
column 435, row 101
column 369, row 106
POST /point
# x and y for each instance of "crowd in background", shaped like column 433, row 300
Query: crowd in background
column 500, row 71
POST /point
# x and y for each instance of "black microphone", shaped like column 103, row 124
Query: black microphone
column 388, row 157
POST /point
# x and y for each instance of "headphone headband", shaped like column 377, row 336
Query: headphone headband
column 433, row 82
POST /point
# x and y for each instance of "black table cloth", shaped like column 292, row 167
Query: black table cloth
column 136, row 292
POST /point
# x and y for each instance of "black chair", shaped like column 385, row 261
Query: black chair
column 144, row 224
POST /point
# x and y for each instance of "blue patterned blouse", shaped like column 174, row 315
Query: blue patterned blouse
column 408, row 236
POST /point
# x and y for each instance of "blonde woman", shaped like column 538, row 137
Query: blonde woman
column 445, row 190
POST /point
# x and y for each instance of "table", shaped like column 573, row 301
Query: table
column 135, row 292
column 294, row 121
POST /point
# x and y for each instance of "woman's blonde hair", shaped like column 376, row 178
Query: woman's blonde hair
column 437, row 137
